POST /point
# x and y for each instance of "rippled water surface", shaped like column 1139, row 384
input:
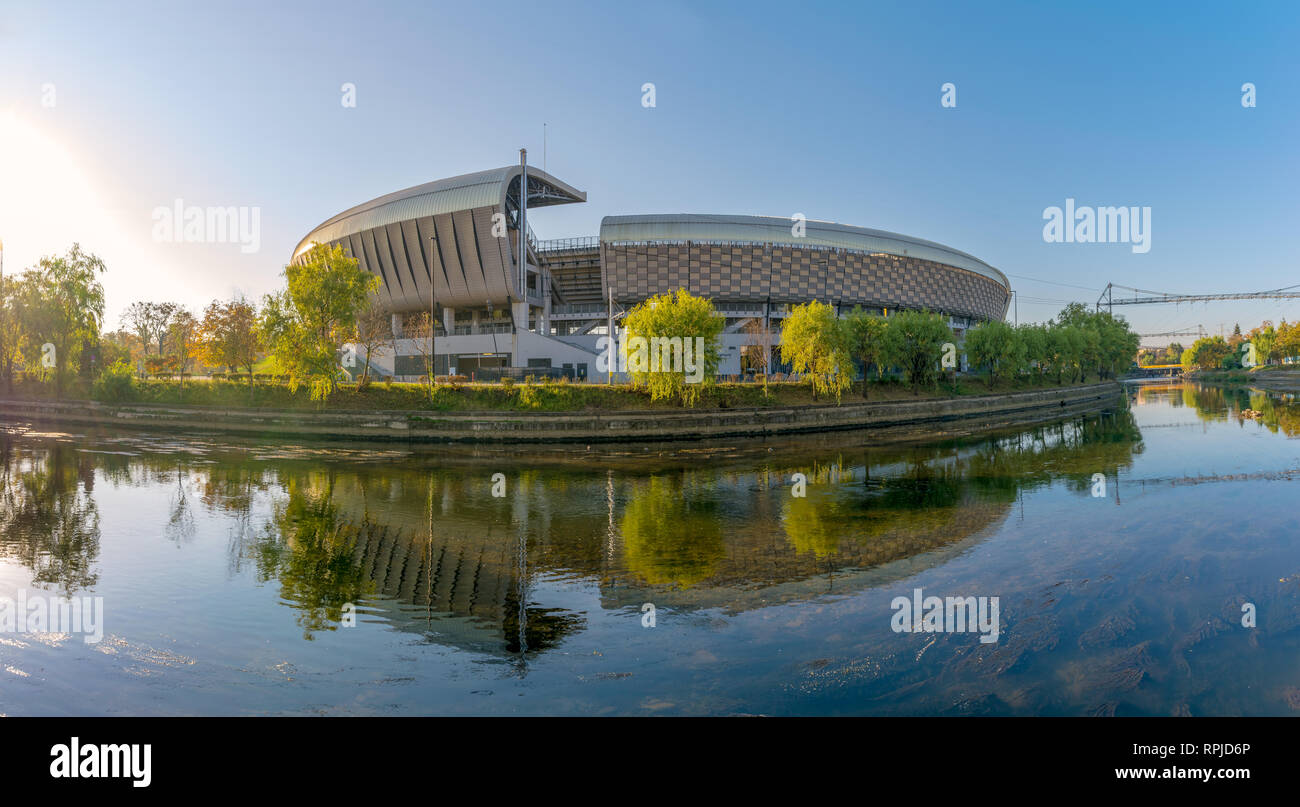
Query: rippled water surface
column 226, row 570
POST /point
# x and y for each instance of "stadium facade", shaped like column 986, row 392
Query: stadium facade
column 453, row 246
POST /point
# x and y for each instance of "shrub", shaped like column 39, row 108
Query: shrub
column 115, row 384
column 442, row 399
column 529, row 398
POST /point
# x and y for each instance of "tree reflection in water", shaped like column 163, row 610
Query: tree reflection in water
column 671, row 535
column 311, row 550
column 48, row 518
column 423, row 546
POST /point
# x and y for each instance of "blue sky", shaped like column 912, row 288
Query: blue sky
column 831, row 110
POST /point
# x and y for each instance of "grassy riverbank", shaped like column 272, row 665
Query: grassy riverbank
column 538, row 397
column 1274, row 378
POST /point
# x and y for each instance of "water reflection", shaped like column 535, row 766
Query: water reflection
column 315, row 553
column 233, row 554
column 672, row 531
column 424, row 545
column 48, row 518
column 218, row 559
column 1236, row 404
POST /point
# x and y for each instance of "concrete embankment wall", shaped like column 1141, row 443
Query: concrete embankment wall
column 655, row 425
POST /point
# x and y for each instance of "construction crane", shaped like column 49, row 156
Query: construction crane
column 1108, row 296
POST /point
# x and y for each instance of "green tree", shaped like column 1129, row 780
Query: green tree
column 866, row 340
column 1056, row 352
column 817, row 347
column 184, row 331
column 1033, row 338
column 1089, row 357
column 305, row 324
column 1287, row 345
column 11, row 330
column 1118, row 344
column 914, row 341
column 1264, row 338
column 1105, row 343
column 673, row 325
column 64, row 305
column 229, row 337
column 994, row 345
column 1209, row 352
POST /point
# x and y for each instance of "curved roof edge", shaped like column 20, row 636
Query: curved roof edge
column 776, row 230
column 464, row 192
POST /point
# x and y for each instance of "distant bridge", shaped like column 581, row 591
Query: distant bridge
column 1157, row 371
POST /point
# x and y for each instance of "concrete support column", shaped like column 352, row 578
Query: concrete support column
column 397, row 326
column 519, row 311
column 449, row 320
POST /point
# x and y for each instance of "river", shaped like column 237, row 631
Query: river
column 1145, row 560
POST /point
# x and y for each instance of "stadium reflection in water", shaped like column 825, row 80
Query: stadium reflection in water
column 228, row 571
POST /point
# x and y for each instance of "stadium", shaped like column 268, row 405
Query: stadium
column 453, row 247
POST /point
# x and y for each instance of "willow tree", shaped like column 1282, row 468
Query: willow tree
column 11, row 330
column 817, row 348
column 672, row 345
column 63, row 307
column 914, row 340
column 995, row 345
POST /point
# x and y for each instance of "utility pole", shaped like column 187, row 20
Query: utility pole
column 433, row 311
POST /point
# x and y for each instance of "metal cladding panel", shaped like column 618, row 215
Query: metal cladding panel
column 432, row 253
column 384, row 251
column 773, row 230
column 416, row 207
column 467, row 238
column 784, row 274
column 416, row 249
column 397, row 246
column 449, row 249
column 354, row 247
column 491, row 251
column 465, row 192
column 370, row 262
